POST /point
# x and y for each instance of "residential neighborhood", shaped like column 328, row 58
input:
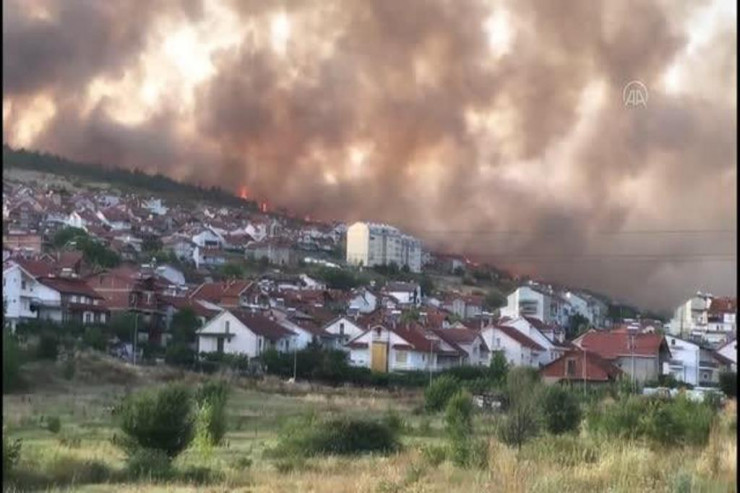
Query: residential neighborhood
column 170, row 258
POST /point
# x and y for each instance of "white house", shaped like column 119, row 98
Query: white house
column 363, row 301
column 539, row 302
column 208, row 238
column 729, row 351
column 543, row 334
column 155, row 206
column 517, row 348
column 684, row 362
column 389, row 349
column 344, row 328
column 404, row 292
column 115, row 218
column 208, row 256
column 707, row 318
column 469, row 341
column 311, row 283
column 237, row 332
column 25, row 298
column 172, row 274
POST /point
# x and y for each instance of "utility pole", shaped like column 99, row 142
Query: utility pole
column 295, row 360
column 136, row 332
column 431, row 343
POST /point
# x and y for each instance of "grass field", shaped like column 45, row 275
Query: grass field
column 81, row 457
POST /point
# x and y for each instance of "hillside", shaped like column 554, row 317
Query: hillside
column 122, row 178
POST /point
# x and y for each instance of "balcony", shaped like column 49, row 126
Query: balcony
column 708, row 365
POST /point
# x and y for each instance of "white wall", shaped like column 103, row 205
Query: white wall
column 515, row 353
column 244, row 341
column 358, row 238
column 688, row 354
column 551, row 352
column 351, row 330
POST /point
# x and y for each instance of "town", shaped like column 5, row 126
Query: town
column 257, row 281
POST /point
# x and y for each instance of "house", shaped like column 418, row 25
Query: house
column 405, row 293
column 239, row 332
column 684, row 362
column 464, row 306
column 517, row 348
column 172, row 274
column 115, row 218
column 729, row 351
column 389, row 348
column 548, row 336
column 711, row 364
column 231, row 294
column 24, row 297
column 641, row 356
column 306, row 330
column 27, row 241
column 362, row 301
column 208, row 238
column 79, row 302
column 539, row 302
column 278, row 251
column 208, row 256
column 577, row 365
column 181, row 246
column 344, row 329
column 468, row 340
column 721, row 324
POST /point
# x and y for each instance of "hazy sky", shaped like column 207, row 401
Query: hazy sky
column 495, row 128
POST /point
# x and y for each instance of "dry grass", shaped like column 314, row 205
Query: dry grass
column 546, row 464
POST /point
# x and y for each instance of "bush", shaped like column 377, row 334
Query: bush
column 728, row 383
column 11, row 362
column 343, row 436
column 393, row 421
column 94, row 338
column 520, row 424
column 662, row 421
column 211, row 400
column 434, row 454
column 149, row 464
column 560, row 409
column 179, row 354
column 11, row 453
column 439, row 392
column 53, row 424
column 521, row 384
column 459, row 416
column 159, row 420
column 48, row 346
column 69, row 369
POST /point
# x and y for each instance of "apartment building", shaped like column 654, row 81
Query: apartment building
column 370, row 244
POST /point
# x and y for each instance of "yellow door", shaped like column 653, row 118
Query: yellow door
column 379, row 357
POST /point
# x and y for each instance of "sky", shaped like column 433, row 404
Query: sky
column 497, row 128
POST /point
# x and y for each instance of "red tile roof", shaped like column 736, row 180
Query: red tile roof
column 722, row 305
column 597, row 369
column 522, row 339
column 37, row 268
column 611, row 345
column 70, row 286
column 262, row 325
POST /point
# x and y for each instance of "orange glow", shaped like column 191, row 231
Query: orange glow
column 244, row 192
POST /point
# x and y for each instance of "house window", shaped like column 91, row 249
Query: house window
column 23, row 284
column 226, row 326
column 498, row 342
column 88, row 317
column 220, row 345
column 570, row 367
column 401, row 357
column 341, row 328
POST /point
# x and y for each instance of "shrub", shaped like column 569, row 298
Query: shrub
column 11, row 362
column 69, row 368
column 520, row 424
column 211, row 400
column 147, row 463
column 53, row 424
column 393, row 421
column 48, row 346
column 560, row 409
column 439, row 392
column 11, row 452
column 94, row 338
column 521, row 384
column 728, row 383
column 160, row 420
column 434, row 454
column 459, row 416
column 179, row 354
column 343, row 436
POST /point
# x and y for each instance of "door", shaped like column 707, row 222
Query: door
column 220, row 342
column 379, row 357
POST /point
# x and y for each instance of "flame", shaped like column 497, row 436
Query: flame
column 263, row 206
column 244, row 192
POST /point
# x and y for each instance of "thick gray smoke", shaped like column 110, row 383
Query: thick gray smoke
column 454, row 119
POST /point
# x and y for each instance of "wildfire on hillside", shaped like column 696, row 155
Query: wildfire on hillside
column 244, row 192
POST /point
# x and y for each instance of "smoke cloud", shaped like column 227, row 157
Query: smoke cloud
column 492, row 128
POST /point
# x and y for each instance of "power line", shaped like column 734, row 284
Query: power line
column 565, row 232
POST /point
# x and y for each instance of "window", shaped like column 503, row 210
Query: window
column 341, row 328
column 570, row 367
column 226, row 326
column 401, row 357
column 23, row 284
column 88, row 317
column 498, row 342
column 220, row 345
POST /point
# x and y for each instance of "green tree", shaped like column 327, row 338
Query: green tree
column 427, row 285
column 561, row 410
column 493, row 301
column 151, row 244
column 499, row 367
column 122, row 326
column 577, row 325
column 67, row 236
column 184, row 325
column 232, row 271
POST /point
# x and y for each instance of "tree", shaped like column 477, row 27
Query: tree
column 151, row 244
column 499, row 368
column 184, row 325
column 577, row 325
column 232, row 271
column 494, row 300
column 560, row 410
column 122, row 326
column 728, row 383
column 520, row 423
column 427, row 285
column 66, row 236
